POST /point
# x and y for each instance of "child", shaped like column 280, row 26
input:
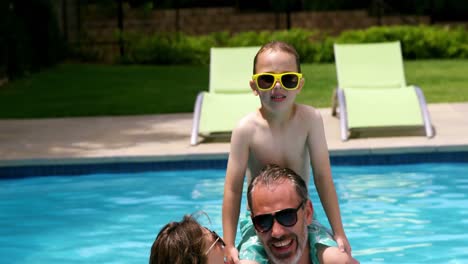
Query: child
column 281, row 132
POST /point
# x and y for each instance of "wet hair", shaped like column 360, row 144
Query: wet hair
column 278, row 46
column 179, row 243
column 272, row 175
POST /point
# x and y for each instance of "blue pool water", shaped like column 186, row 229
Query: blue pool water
column 392, row 214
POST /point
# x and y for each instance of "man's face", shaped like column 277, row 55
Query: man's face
column 282, row 244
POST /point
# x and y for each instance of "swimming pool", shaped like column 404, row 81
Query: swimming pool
column 392, row 214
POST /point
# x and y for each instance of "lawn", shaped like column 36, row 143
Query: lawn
column 105, row 90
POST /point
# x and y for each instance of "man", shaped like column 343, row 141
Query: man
column 282, row 214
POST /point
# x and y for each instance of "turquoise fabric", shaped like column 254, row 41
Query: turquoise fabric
column 251, row 248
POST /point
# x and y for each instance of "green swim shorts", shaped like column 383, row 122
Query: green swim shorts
column 251, row 248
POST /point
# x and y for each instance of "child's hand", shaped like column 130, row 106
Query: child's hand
column 343, row 244
column 232, row 255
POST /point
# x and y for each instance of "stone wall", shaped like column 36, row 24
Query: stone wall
column 207, row 20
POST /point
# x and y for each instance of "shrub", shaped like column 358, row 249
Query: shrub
column 166, row 48
column 418, row 42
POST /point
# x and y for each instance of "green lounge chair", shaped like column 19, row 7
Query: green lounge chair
column 229, row 97
column 372, row 92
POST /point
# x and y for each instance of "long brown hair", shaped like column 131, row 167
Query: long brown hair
column 179, row 243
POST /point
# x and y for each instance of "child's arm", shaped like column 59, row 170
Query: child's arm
column 320, row 161
column 236, row 168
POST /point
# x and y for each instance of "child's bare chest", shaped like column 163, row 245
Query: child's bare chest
column 286, row 148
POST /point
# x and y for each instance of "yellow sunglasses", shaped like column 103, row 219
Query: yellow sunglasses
column 288, row 80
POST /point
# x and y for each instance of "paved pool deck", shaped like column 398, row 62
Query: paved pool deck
column 163, row 137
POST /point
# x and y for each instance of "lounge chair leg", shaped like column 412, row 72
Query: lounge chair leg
column 343, row 114
column 196, row 119
column 334, row 102
column 424, row 112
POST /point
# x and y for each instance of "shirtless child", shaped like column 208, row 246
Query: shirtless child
column 284, row 133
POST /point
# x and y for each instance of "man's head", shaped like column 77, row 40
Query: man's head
column 281, row 211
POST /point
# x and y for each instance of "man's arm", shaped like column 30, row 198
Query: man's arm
column 235, row 173
column 320, row 162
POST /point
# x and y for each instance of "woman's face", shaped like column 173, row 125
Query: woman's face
column 214, row 247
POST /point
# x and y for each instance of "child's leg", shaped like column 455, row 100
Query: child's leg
column 320, row 238
column 324, row 248
column 333, row 255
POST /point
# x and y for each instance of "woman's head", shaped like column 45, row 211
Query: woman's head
column 186, row 242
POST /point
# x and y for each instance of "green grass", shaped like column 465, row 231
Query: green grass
column 442, row 81
column 104, row 90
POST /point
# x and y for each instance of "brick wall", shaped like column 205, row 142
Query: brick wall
column 100, row 29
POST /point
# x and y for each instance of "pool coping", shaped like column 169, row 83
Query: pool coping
column 224, row 155
column 128, row 164
column 165, row 138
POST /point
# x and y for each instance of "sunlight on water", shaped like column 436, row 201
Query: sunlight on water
column 391, row 214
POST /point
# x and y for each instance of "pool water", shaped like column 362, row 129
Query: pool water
column 391, row 214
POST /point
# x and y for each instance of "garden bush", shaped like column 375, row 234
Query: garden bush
column 418, row 42
column 166, row 48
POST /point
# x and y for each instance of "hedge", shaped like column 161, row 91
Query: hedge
column 418, row 42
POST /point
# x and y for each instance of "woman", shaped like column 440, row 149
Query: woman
column 187, row 242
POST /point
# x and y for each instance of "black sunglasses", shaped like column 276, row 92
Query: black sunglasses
column 286, row 217
column 216, row 238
